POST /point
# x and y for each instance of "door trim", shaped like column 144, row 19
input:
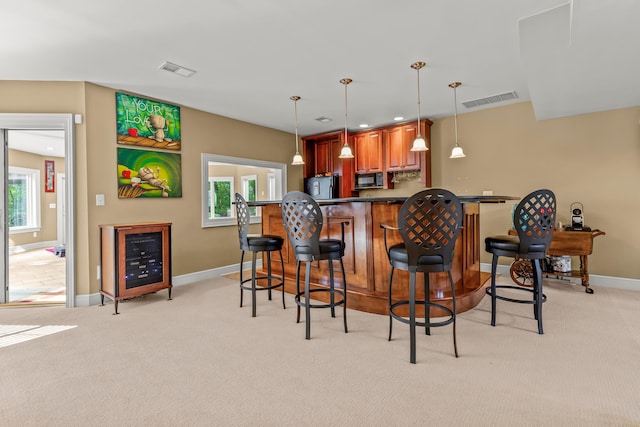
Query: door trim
column 19, row 121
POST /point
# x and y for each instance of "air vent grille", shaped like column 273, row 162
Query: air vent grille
column 508, row 96
column 177, row 69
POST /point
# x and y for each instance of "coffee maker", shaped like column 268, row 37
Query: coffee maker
column 577, row 218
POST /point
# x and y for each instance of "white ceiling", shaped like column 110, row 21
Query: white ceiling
column 252, row 55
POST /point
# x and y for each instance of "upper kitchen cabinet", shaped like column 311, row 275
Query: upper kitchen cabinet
column 399, row 156
column 368, row 151
column 321, row 158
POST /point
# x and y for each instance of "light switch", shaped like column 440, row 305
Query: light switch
column 52, row 205
column 99, row 199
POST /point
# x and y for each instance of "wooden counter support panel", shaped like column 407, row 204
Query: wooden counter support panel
column 366, row 264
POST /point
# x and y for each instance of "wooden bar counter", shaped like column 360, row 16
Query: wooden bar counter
column 365, row 260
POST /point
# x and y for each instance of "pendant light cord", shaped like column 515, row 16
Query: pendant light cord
column 295, row 116
column 455, row 109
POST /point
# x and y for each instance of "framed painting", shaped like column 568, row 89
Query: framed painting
column 148, row 174
column 49, row 176
column 145, row 123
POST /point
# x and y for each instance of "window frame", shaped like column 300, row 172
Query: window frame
column 280, row 180
column 34, row 213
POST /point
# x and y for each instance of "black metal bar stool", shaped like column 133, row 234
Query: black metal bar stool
column 429, row 223
column 303, row 220
column 255, row 243
column 534, row 219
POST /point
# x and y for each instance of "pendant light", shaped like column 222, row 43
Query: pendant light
column 419, row 144
column 297, row 158
column 457, row 152
column 346, row 152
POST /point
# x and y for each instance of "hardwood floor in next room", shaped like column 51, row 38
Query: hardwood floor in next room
column 36, row 277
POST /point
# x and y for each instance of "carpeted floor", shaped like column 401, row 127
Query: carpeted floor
column 200, row 360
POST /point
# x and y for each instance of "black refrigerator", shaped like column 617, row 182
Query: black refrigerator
column 323, row 187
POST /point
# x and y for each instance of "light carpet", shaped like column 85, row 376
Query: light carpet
column 200, row 360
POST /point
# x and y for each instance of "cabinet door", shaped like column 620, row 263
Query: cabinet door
column 412, row 160
column 360, row 147
column 399, row 155
column 323, row 157
column 368, row 152
column 375, row 152
column 395, row 149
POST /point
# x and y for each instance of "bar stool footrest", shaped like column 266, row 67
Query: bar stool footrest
column 402, row 319
column 319, row 305
column 516, row 300
column 279, row 283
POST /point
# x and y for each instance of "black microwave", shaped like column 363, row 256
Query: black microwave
column 369, row 180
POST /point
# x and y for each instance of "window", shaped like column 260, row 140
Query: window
column 249, row 188
column 221, row 193
column 23, row 200
column 256, row 180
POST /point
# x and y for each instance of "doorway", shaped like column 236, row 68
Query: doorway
column 36, row 227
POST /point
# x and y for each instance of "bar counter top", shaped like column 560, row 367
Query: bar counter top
column 393, row 199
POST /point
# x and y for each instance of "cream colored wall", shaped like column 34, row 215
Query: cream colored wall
column 194, row 248
column 591, row 158
column 58, row 97
column 579, row 158
column 48, row 216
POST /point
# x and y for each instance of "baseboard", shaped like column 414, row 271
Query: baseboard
column 184, row 279
column 31, row 246
column 594, row 279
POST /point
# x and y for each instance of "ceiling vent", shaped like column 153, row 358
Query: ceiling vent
column 508, row 96
column 324, row 119
column 177, row 69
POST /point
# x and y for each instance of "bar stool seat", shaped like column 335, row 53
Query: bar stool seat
column 256, row 243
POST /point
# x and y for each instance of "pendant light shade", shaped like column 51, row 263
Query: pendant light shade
column 457, row 152
column 297, row 158
column 419, row 143
column 346, row 152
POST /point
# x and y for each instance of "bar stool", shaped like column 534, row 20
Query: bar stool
column 303, row 220
column 257, row 243
column 429, row 223
column 534, row 219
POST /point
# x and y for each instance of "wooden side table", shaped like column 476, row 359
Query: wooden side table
column 563, row 243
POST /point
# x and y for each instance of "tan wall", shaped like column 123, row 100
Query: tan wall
column 194, row 248
column 590, row 158
column 48, row 216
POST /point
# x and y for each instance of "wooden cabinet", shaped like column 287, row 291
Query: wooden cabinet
column 368, row 152
column 321, row 156
column 326, row 159
column 135, row 260
column 399, row 156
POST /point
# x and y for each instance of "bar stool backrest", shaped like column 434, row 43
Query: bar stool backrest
column 534, row 220
column 243, row 217
column 303, row 220
column 429, row 223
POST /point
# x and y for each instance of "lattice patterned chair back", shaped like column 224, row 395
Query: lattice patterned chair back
column 534, row 219
column 303, row 220
column 243, row 218
column 429, row 223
